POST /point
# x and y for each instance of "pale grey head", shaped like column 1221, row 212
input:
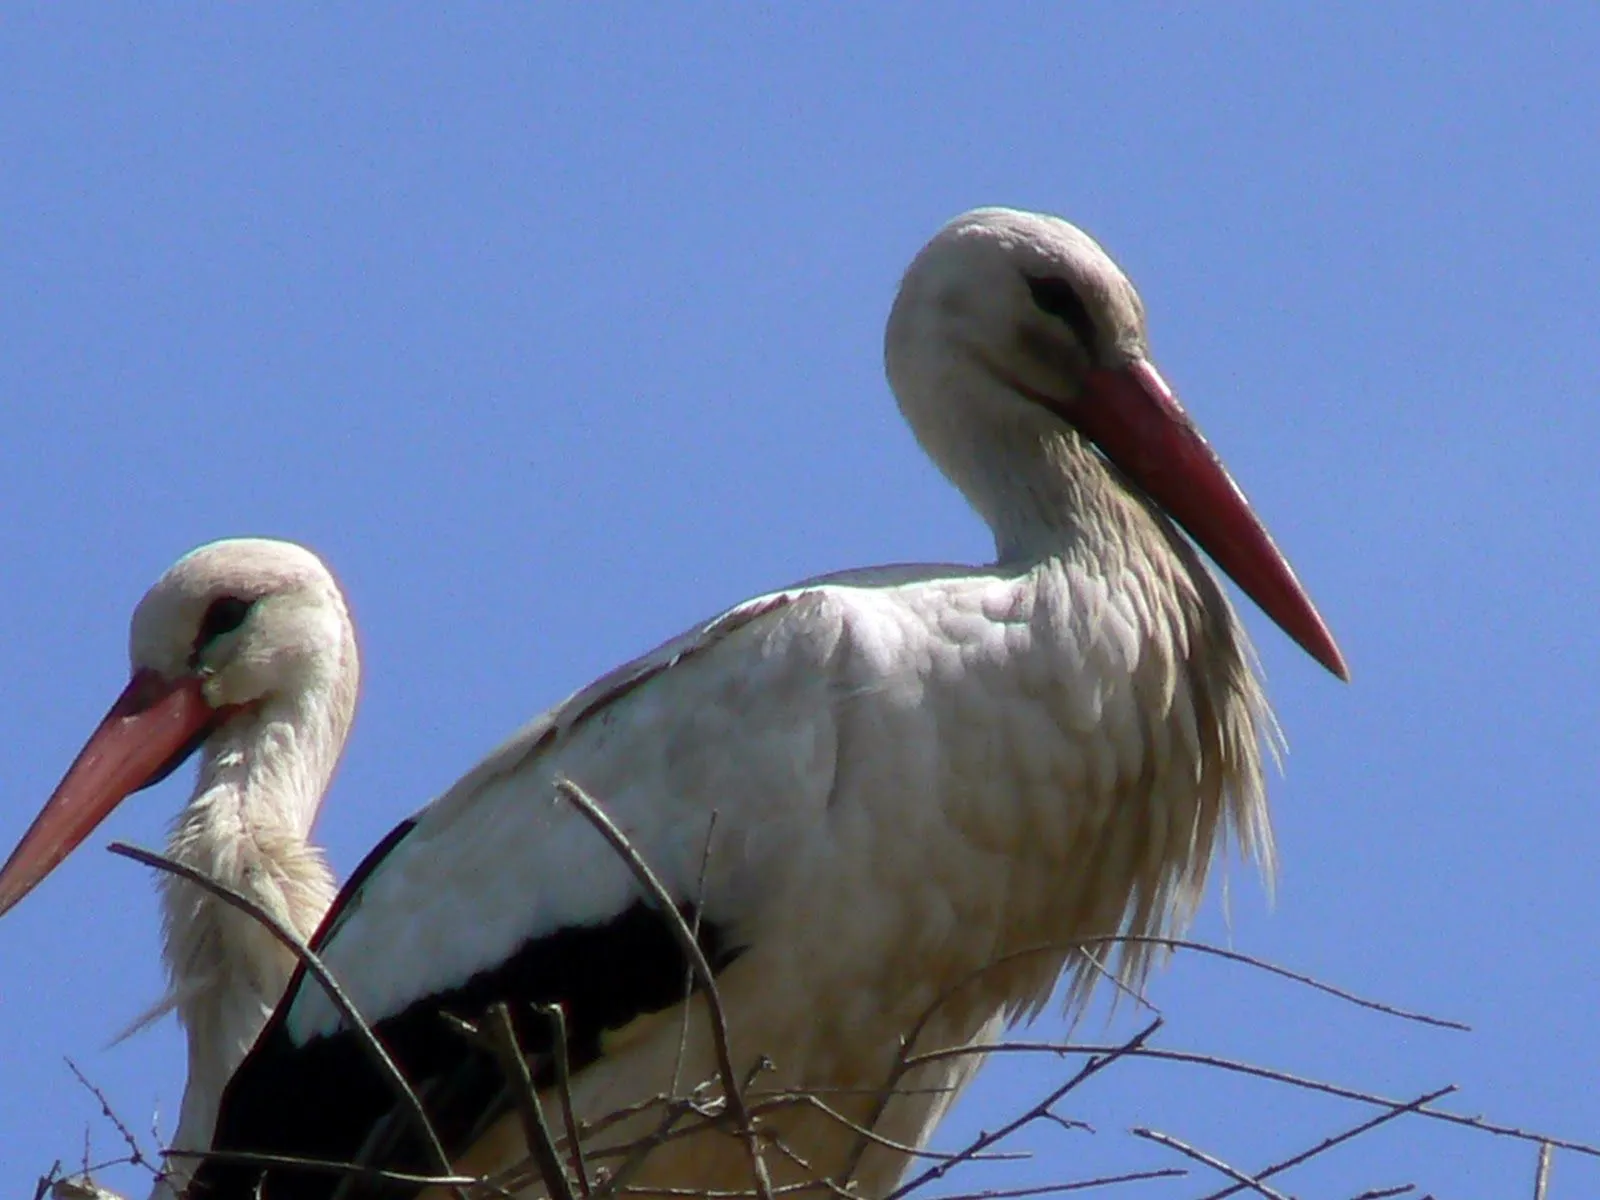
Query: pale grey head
column 258, row 620
column 1017, row 351
column 238, row 636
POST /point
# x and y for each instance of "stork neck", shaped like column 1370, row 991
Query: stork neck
column 275, row 764
column 1044, row 491
column 262, row 778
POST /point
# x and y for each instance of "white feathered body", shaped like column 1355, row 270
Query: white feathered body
column 905, row 775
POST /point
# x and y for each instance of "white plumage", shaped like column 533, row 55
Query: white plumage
column 894, row 777
column 245, row 644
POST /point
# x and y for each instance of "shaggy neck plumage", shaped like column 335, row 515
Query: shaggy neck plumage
column 261, row 780
column 1058, row 508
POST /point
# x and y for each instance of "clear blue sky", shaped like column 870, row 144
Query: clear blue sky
column 555, row 330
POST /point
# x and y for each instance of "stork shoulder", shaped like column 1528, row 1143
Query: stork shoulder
column 725, row 723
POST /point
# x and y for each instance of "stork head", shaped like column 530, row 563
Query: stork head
column 233, row 629
column 1026, row 317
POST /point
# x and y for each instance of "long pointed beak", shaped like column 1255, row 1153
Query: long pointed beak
column 155, row 724
column 1135, row 419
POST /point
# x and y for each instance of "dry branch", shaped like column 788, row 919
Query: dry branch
column 557, row 1017
column 136, row 1156
column 1541, row 1171
column 1329, row 1143
column 1268, row 1073
column 1272, row 968
column 1076, row 1185
column 742, row 1105
column 1210, row 1160
column 535, row 1129
column 690, row 946
column 1090, row 1068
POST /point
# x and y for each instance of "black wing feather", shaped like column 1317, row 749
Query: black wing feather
column 324, row 1100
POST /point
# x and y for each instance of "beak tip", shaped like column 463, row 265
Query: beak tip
column 12, row 894
column 1318, row 642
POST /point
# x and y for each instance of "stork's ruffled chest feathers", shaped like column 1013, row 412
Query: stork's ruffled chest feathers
column 1022, row 757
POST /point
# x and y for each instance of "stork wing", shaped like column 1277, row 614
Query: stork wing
column 499, row 891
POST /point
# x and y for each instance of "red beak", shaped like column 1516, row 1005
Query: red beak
column 155, row 724
column 1136, row 421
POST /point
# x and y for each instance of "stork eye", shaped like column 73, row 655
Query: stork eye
column 225, row 615
column 1056, row 297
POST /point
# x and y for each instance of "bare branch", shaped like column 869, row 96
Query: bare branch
column 1079, row 1185
column 135, row 1156
column 535, row 1130
column 749, row 1113
column 799, row 1160
column 688, row 975
column 909, row 1041
column 1336, row 1139
column 1110, row 976
column 1092, row 1067
column 1216, row 1164
column 810, row 1099
column 253, row 1158
column 1262, row 964
column 1541, row 1174
column 630, row 1165
column 690, row 946
column 690, row 1193
column 557, row 1016
column 1245, row 1068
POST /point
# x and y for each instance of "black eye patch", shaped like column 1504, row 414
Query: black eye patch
column 1056, row 297
column 225, row 615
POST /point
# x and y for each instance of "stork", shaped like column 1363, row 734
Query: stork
column 243, row 650
column 872, row 791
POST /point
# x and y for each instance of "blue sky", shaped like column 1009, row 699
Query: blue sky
column 556, row 330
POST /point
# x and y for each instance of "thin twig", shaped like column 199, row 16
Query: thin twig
column 1283, row 972
column 909, row 1040
column 776, row 1102
column 254, row 1158
column 135, row 1155
column 817, row 1177
column 1078, row 1185
column 535, row 1130
column 630, row 1165
column 617, row 1115
column 1216, row 1164
column 1399, row 1189
column 693, row 1193
column 557, row 1016
column 688, row 974
column 793, row 1099
column 1330, row 1142
column 690, row 946
column 1092, row 1067
column 1541, row 1175
column 1244, row 1068
column 312, row 963
column 1110, row 976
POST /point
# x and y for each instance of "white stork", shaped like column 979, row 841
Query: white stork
column 243, row 649
column 891, row 778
